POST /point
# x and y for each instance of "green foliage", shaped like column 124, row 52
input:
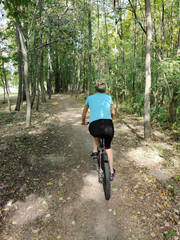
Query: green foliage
column 13, row 7
column 171, row 233
column 138, row 104
column 67, row 32
column 159, row 113
column 172, row 69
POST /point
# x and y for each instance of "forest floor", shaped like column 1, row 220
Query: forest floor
column 49, row 187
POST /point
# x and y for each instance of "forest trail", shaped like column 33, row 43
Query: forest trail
column 59, row 196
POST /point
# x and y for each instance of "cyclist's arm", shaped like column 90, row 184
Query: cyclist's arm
column 86, row 107
column 112, row 111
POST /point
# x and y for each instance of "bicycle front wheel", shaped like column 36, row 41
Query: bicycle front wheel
column 106, row 181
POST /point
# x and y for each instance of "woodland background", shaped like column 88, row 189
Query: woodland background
column 51, row 46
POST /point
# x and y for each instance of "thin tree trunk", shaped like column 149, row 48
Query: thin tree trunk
column 84, row 73
column 134, row 62
column 173, row 105
column 43, row 97
column 81, row 59
column 90, row 47
column 163, row 30
column 154, row 47
column 25, row 56
column 34, row 60
column 4, row 88
column 57, row 85
column 20, row 70
column 116, row 68
column 178, row 49
column 38, row 96
column 107, row 41
column 74, row 68
column 99, row 42
column 79, row 75
column 147, row 125
column 6, row 84
column 120, row 32
column 49, row 84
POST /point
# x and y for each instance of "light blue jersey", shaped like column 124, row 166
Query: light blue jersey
column 100, row 106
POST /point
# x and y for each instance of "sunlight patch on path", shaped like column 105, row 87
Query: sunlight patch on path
column 28, row 210
column 144, row 157
column 92, row 189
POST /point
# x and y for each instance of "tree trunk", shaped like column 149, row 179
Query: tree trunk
column 99, row 43
column 43, row 97
column 178, row 49
column 116, row 68
column 57, row 85
column 107, row 41
column 74, row 68
column 20, row 71
column 34, row 60
column 4, row 88
column 90, row 47
column 38, row 96
column 173, row 106
column 6, row 84
column 147, row 125
column 134, row 62
column 120, row 32
column 49, row 75
column 5, row 81
column 163, row 30
column 25, row 57
column 79, row 75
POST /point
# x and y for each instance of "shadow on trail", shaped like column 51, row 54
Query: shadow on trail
column 49, row 183
column 50, row 187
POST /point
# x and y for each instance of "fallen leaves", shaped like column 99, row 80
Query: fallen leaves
column 136, row 186
column 49, row 184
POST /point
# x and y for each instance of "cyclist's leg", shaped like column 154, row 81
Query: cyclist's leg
column 110, row 158
column 94, row 131
column 109, row 134
column 95, row 144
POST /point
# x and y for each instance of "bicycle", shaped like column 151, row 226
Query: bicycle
column 104, row 169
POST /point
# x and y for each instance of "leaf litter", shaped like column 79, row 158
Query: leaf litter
column 153, row 208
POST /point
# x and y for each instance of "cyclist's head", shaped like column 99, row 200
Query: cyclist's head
column 100, row 86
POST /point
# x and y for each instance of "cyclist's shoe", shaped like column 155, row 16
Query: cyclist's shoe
column 112, row 175
column 94, row 155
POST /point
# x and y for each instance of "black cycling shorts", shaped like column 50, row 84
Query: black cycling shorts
column 103, row 128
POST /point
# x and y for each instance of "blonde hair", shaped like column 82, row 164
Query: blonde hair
column 100, row 86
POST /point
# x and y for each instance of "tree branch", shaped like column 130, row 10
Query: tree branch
column 136, row 17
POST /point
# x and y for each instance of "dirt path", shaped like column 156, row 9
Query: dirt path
column 59, row 196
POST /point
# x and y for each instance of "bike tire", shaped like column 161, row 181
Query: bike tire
column 106, row 181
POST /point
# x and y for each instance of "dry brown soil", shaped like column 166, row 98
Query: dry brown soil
column 49, row 185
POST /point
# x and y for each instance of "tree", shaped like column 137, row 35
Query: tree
column 5, row 83
column 147, row 124
column 20, row 71
column 25, row 57
column 90, row 46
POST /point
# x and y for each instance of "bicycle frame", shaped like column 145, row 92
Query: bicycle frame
column 104, row 173
column 102, row 150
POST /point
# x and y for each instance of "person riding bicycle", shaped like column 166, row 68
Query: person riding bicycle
column 100, row 121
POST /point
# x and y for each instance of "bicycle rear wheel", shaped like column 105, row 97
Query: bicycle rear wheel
column 106, row 181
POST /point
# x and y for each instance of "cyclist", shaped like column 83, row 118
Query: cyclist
column 100, row 121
